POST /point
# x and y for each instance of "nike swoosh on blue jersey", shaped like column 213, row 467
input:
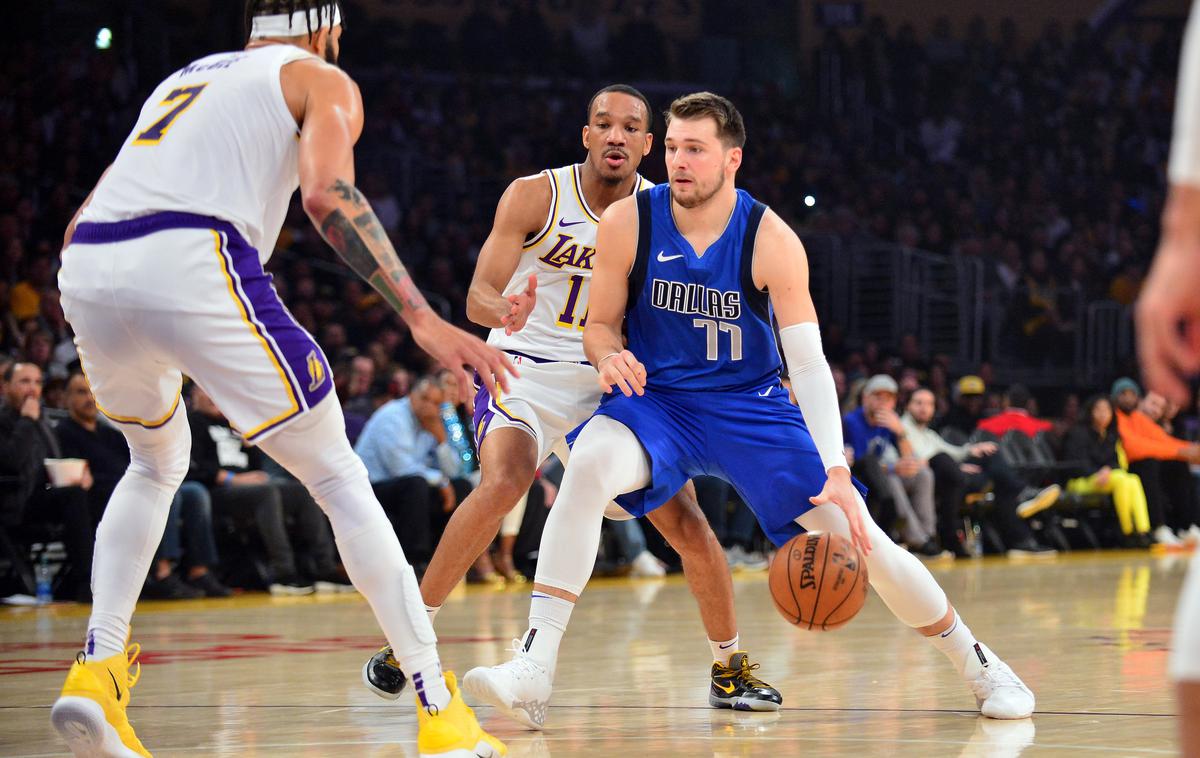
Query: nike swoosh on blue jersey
column 766, row 392
column 664, row 258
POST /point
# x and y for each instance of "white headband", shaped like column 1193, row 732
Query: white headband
column 284, row 25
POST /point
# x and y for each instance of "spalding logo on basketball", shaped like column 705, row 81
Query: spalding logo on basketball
column 818, row 581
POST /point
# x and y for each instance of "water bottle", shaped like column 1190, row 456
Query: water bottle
column 457, row 437
column 42, row 575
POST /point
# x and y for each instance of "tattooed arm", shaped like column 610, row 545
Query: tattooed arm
column 364, row 245
column 328, row 106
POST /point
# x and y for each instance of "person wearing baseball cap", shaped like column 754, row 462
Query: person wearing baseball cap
column 968, row 405
column 878, row 439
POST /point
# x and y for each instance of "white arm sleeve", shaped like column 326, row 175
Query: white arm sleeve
column 812, row 384
column 1184, row 167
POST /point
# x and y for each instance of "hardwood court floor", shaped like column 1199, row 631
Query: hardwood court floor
column 257, row 676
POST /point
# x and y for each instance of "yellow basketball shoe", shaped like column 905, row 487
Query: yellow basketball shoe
column 90, row 712
column 454, row 732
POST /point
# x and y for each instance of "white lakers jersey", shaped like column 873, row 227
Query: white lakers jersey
column 216, row 138
column 560, row 254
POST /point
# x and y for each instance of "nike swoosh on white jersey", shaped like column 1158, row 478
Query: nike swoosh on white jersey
column 664, row 258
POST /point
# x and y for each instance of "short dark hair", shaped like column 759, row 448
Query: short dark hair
column 730, row 128
column 11, row 369
column 623, row 89
column 1018, row 396
column 272, row 7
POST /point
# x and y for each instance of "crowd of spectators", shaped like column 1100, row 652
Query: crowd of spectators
column 1040, row 158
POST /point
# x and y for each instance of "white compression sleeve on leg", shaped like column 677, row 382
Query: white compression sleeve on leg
column 316, row 451
column 812, row 383
column 606, row 461
column 902, row 581
column 132, row 527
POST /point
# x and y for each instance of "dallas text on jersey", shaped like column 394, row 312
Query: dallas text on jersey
column 692, row 298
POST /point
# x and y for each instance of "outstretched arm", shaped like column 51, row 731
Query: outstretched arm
column 331, row 123
column 616, row 248
column 781, row 267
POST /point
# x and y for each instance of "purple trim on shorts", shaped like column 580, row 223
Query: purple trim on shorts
column 481, row 416
column 485, row 410
column 100, row 233
column 310, row 376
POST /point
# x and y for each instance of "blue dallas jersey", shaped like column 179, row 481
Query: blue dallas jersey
column 698, row 322
column 713, row 403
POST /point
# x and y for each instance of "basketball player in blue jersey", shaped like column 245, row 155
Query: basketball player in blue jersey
column 1168, row 330
column 531, row 286
column 162, row 274
column 695, row 272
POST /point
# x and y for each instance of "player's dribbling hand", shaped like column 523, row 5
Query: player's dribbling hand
column 522, row 306
column 454, row 349
column 625, row 371
column 840, row 491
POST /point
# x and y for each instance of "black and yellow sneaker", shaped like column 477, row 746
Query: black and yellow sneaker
column 383, row 676
column 735, row 686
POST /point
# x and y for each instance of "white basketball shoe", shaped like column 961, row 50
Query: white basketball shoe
column 999, row 693
column 520, row 688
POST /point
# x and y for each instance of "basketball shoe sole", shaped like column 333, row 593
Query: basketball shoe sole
column 82, row 725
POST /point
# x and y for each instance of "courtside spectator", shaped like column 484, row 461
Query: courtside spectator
column 413, row 468
column 243, row 491
column 83, row 435
column 189, row 545
column 1015, row 416
column 1091, row 445
column 967, row 410
column 875, row 431
column 1161, row 461
column 28, row 499
column 959, row 469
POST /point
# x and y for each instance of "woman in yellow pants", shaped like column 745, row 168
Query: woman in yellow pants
column 1092, row 443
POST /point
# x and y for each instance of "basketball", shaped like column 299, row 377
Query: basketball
column 818, row 581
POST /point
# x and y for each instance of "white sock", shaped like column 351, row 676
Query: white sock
column 432, row 610
column 431, row 689
column 956, row 642
column 723, row 651
column 106, row 636
column 548, row 618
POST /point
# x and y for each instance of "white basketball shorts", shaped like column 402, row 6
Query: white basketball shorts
column 548, row 401
column 167, row 294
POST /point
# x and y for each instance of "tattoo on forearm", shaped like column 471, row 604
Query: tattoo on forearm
column 348, row 192
column 365, row 247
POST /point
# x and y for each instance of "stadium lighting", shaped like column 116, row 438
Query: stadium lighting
column 104, row 38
